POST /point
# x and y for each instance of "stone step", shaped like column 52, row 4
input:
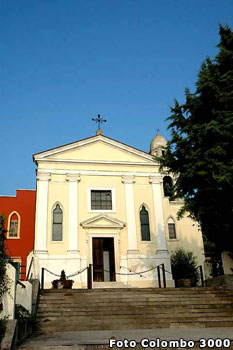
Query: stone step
column 125, row 324
column 135, row 296
column 129, row 308
column 148, row 304
column 187, row 313
column 103, row 285
column 137, row 318
column 165, row 291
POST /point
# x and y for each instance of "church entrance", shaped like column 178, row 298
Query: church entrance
column 103, row 260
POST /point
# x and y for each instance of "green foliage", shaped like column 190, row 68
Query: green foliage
column 200, row 150
column 3, row 256
column 3, row 259
column 3, row 322
column 184, row 265
column 215, row 260
column 21, row 313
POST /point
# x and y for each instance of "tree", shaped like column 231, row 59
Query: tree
column 200, row 152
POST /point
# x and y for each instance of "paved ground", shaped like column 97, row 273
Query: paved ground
column 102, row 337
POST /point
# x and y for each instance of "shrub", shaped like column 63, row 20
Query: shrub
column 184, row 265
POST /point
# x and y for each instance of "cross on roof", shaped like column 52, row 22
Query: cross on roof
column 99, row 120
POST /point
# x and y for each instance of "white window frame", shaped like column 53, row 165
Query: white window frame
column 51, row 239
column 95, row 188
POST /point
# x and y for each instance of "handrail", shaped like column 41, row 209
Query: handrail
column 29, row 270
column 21, row 284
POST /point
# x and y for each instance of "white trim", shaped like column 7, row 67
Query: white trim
column 101, row 173
column 93, row 222
column 55, row 160
column 112, row 189
column 73, row 207
column 9, row 225
column 158, row 214
column 62, row 232
column 130, row 212
column 42, row 211
column 170, row 217
column 149, row 217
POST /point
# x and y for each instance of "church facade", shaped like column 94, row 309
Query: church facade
column 105, row 203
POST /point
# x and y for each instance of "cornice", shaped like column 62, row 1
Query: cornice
column 42, row 176
column 73, row 177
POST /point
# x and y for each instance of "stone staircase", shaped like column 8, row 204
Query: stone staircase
column 133, row 308
column 103, row 285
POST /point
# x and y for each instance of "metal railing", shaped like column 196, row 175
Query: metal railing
column 29, row 270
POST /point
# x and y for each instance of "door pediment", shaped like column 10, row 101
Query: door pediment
column 102, row 220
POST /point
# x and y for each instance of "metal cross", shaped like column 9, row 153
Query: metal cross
column 99, row 120
column 157, row 130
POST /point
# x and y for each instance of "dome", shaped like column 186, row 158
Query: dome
column 156, row 145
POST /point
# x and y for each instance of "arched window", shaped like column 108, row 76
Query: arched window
column 13, row 225
column 145, row 225
column 57, row 223
column 167, row 186
column 171, row 229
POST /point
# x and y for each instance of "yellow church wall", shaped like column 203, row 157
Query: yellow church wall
column 58, row 193
column 99, row 151
column 143, row 195
column 188, row 236
column 114, row 182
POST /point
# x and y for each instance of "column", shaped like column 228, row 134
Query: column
column 73, row 180
column 158, row 212
column 42, row 212
column 130, row 212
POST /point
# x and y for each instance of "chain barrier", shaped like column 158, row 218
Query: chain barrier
column 136, row 273
column 72, row 275
column 78, row 272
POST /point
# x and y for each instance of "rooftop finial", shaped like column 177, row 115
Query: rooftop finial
column 99, row 120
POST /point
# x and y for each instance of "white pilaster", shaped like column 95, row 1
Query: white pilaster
column 73, row 213
column 42, row 213
column 158, row 212
column 130, row 213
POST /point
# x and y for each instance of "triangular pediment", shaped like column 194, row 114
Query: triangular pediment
column 95, row 149
column 102, row 220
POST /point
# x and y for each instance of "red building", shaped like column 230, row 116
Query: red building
column 19, row 214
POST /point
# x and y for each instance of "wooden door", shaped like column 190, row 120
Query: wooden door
column 112, row 260
column 98, row 264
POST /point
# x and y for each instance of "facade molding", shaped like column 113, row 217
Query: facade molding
column 110, row 222
column 99, row 173
column 43, row 176
column 39, row 156
column 73, row 177
column 55, row 160
column 128, row 179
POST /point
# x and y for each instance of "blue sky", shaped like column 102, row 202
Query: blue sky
column 64, row 61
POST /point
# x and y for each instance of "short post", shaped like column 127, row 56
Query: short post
column 42, row 278
column 159, row 279
column 202, row 278
column 164, row 276
column 89, row 276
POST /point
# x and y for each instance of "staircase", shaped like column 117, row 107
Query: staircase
column 103, row 285
column 133, row 308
